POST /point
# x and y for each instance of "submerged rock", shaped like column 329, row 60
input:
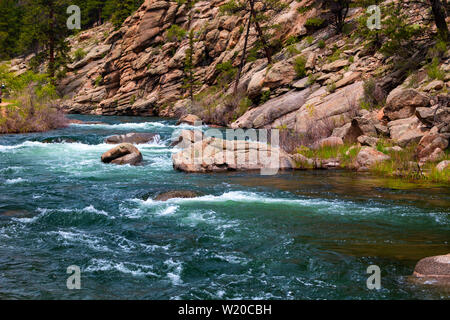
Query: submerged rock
column 136, row 138
column 124, row 153
column 176, row 194
column 434, row 270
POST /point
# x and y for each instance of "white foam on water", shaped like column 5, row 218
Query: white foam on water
column 175, row 275
column 128, row 245
column 91, row 209
column 235, row 196
column 69, row 238
column 45, row 211
column 11, row 169
column 169, row 210
column 15, row 181
column 132, row 125
column 231, row 259
column 134, row 269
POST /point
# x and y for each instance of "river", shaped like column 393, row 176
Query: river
column 296, row 235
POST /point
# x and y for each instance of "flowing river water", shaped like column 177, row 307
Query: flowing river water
column 296, row 235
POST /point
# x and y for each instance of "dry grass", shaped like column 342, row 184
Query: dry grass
column 28, row 113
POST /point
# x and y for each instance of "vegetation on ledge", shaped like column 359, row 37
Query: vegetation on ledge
column 30, row 104
column 402, row 165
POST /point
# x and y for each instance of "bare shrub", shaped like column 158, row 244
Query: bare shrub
column 31, row 114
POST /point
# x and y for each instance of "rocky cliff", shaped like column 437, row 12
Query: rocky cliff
column 139, row 70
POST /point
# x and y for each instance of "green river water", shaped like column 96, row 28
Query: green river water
column 296, row 235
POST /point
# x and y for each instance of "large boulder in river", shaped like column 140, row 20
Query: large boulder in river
column 402, row 103
column 216, row 155
column 434, row 270
column 184, row 194
column 124, row 153
column 186, row 138
column 135, row 138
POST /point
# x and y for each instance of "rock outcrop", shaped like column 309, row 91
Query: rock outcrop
column 217, row 155
column 367, row 157
column 402, row 103
column 431, row 147
column 124, row 153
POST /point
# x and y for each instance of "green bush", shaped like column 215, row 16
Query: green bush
column 175, row 33
column 434, row 71
column 314, row 23
column 79, row 54
column 321, row 44
column 299, row 66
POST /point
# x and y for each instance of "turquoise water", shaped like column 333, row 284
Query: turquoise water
column 297, row 235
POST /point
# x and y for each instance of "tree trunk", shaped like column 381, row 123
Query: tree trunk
column 51, row 42
column 244, row 53
column 439, row 18
column 261, row 35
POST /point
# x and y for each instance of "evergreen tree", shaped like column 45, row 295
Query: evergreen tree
column 45, row 31
column 10, row 27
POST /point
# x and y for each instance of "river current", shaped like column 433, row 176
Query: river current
column 296, row 235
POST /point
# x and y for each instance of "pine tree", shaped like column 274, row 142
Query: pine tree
column 440, row 16
column 10, row 27
column 45, row 30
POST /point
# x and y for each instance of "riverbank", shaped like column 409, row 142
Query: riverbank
column 29, row 103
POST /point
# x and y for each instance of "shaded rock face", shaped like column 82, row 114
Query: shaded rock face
column 124, row 153
column 217, row 155
column 367, row 157
column 349, row 133
column 184, row 194
column 402, row 103
column 435, row 270
column 406, row 131
column 431, row 147
column 134, row 138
